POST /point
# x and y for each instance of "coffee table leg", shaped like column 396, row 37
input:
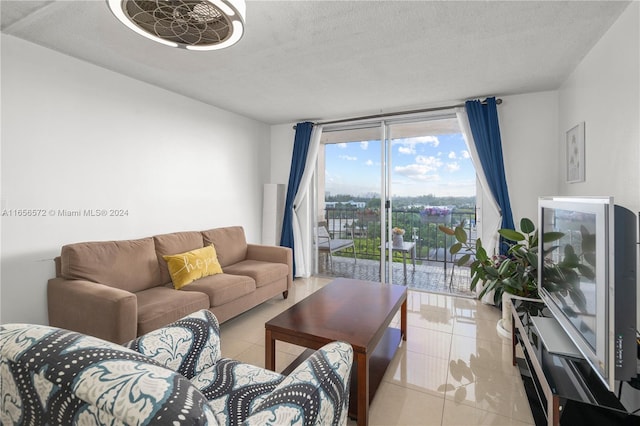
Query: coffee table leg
column 363, row 388
column 269, row 352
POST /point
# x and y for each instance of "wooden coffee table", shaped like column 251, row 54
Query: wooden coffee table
column 353, row 311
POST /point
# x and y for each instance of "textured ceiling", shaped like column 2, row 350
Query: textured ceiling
column 333, row 59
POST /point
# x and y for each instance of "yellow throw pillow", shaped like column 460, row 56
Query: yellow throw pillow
column 185, row 268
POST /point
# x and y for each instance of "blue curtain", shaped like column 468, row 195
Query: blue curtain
column 298, row 162
column 483, row 120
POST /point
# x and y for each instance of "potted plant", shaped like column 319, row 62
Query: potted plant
column 397, row 237
column 512, row 275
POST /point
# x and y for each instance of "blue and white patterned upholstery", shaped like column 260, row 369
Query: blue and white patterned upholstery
column 174, row 375
column 188, row 346
column 315, row 393
column 191, row 346
column 234, row 388
column 58, row 377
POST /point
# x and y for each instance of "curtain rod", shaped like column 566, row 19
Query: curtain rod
column 391, row 114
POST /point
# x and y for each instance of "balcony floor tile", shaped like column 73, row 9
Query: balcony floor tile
column 428, row 276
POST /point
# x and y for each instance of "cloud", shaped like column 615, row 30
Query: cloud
column 430, row 161
column 347, row 157
column 453, row 167
column 368, row 163
column 417, row 173
column 465, row 154
column 408, row 145
column 364, row 145
column 329, row 178
column 424, row 169
column 342, row 145
column 407, row 150
column 431, row 140
column 452, row 155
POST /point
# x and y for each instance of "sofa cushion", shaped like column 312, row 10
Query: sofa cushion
column 263, row 273
column 162, row 305
column 230, row 244
column 176, row 242
column 222, row 288
column 129, row 265
column 185, row 268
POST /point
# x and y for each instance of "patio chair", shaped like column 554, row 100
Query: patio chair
column 329, row 245
column 471, row 241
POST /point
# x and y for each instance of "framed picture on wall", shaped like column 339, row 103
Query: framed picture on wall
column 575, row 154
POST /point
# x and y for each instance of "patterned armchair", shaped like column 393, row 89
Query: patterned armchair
column 173, row 375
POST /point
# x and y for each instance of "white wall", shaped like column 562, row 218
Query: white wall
column 76, row 137
column 604, row 92
column 280, row 157
column 528, row 127
column 281, row 151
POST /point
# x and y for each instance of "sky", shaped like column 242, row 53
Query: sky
column 438, row 165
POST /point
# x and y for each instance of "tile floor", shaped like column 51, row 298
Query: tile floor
column 453, row 369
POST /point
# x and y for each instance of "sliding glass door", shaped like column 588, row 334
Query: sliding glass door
column 351, row 197
column 387, row 185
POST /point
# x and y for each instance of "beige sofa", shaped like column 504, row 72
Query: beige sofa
column 119, row 290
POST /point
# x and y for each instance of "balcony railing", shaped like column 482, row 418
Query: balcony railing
column 431, row 243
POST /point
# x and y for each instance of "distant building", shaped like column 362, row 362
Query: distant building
column 356, row 204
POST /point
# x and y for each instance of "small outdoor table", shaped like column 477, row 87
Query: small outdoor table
column 404, row 249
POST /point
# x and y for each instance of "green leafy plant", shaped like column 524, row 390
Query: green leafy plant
column 516, row 273
column 565, row 276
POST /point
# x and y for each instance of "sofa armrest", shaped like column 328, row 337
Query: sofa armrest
column 91, row 308
column 265, row 253
column 187, row 346
column 315, row 393
column 275, row 254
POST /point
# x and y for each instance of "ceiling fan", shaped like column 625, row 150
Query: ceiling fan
column 188, row 24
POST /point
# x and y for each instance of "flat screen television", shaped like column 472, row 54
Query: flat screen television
column 587, row 279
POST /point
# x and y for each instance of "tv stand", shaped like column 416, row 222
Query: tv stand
column 553, row 337
column 564, row 390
